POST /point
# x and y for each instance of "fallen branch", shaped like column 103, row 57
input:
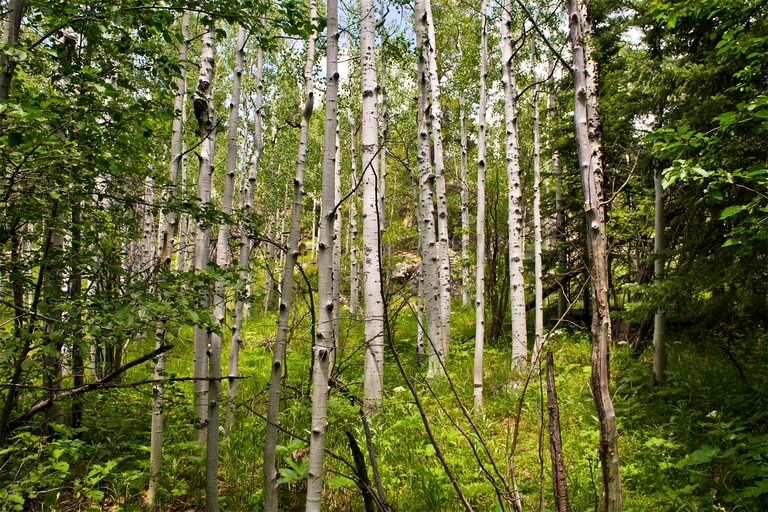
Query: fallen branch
column 77, row 391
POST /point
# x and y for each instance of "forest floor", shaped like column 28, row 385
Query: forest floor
column 698, row 443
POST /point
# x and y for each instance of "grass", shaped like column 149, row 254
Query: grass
column 699, row 443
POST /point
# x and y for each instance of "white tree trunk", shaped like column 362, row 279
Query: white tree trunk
column 14, row 12
column 562, row 258
column 383, row 119
column 443, row 245
column 465, row 286
column 538, row 288
column 169, row 221
column 514, row 192
column 429, row 249
column 292, row 253
column 354, row 257
column 480, row 230
column 246, row 241
column 220, row 288
column 206, row 119
column 337, row 237
column 374, row 303
column 148, row 244
column 166, row 245
column 590, row 155
column 324, row 344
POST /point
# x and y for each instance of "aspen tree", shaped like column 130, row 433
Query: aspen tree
column 169, row 222
column 354, row 258
column 480, row 230
column 374, row 302
column 220, row 287
column 291, row 255
column 590, row 157
column 538, row 289
column 562, row 258
column 336, row 282
column 383, row 117
column 206, row 119
column 436, row 121
column 429, row 250
column 165, row 247
column 14, row 12
column 464, row 202
column 325, row 342
column 246, row 240
column 514, row 191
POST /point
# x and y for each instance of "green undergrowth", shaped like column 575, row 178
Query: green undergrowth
column 698, row 443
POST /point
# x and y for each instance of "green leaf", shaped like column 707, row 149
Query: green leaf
column 730, row 211
column 703, row 455
column 339, row 481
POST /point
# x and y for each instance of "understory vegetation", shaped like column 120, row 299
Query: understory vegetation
column 698, row 443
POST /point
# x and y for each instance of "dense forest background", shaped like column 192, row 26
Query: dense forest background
column 303, row 255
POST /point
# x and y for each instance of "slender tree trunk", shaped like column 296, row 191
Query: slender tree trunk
column 374, row 303
column 659, row 342
column 562, row 255
column 325, row 342
column 220, row 287
column 246, row 242
column 336, row 281
column 465, row 286
column 589, row 144
column 514, row 191
column 420, row 311
column 443, row 244
column 148, row 243
column 166, row 247
column 559, row 483
column 291, row 255
column 354, row 259
column 14, row 12
column 383, row 118
column 75, row 294
column 169, row 221
column 206, row 119
column 429, row 249
column 480, row 229
column 538, row 287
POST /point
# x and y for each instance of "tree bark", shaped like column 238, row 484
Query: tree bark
column 480, row 230
column 562, row 254
column 168, row 226
column 374, row 303
column 590, row 156
column 429, row 250
column 354, row 258
column 537, row 273
column 559, row 483
column 220, row 287
column 206, row 120
column 246, row 241
column 465, row 286
column 11, row 29
column 443, row 243
column 514, row 192
column 166, row 247
column 659, row 342
column 291, row 255
column 325, row 340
